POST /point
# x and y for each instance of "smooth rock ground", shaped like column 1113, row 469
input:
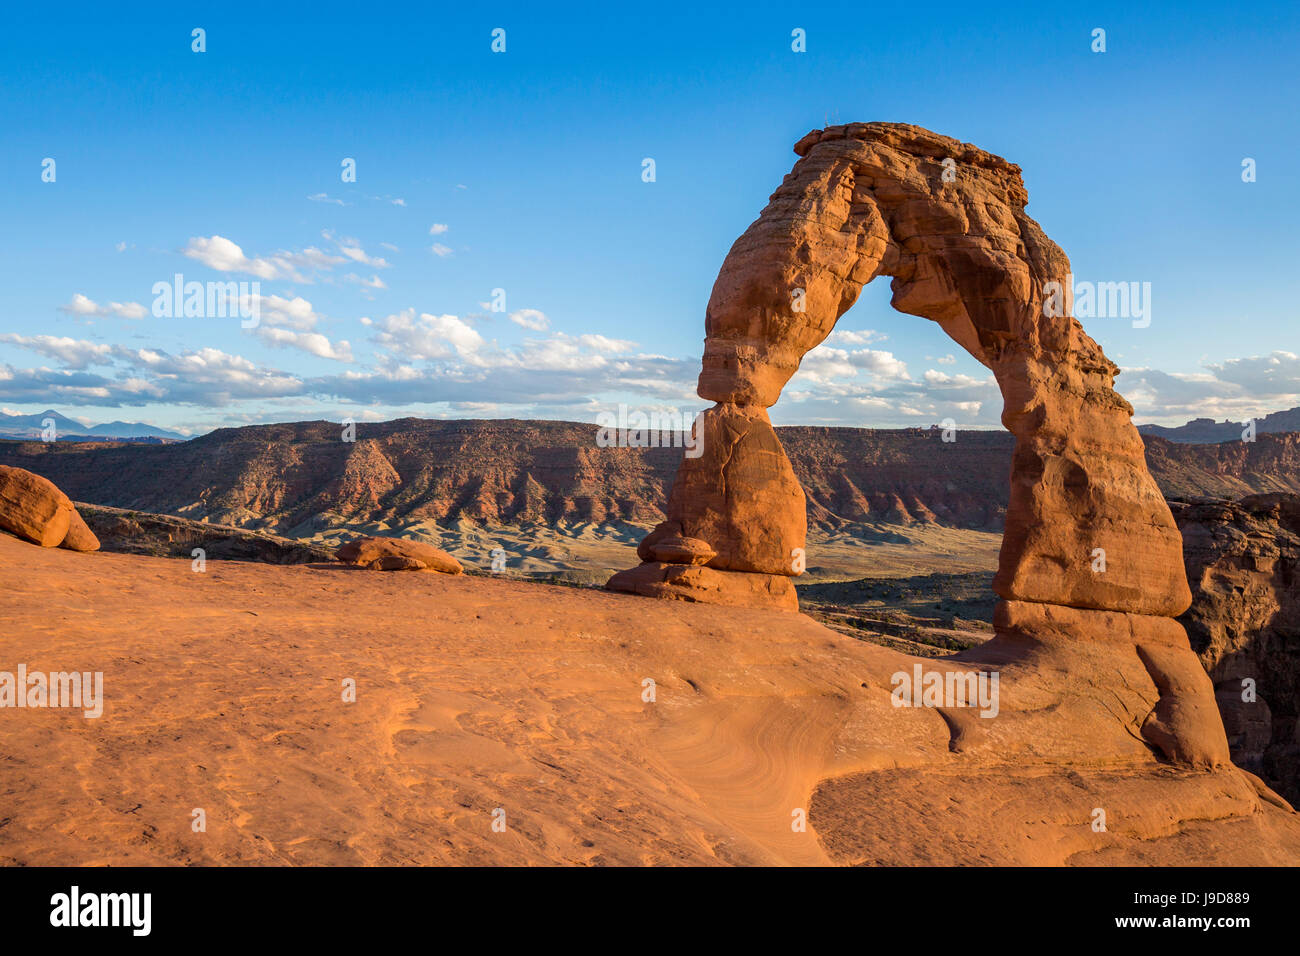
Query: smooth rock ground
column 224, row 692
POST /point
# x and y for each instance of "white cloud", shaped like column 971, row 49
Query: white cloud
column 438, row 228
column 311, row 342
column 847, row 337
column 74, row 353
column 438, row 249
column 81, row 305
column 223, row 255
column 427, row 336
column 322, row 197
column 881, row 364
column 935, row 377
column 599, row 343
column 352, row 249
column 1232, row 390
column 1277, row 373
column 822, row 366
column 295, row 313
column 530, row 319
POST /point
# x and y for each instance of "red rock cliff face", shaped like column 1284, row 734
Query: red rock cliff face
column 1243, row 562
column 278, row 476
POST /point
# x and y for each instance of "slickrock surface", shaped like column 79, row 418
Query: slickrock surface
column 395, row 554
column 224, row 692
column 1243, row 559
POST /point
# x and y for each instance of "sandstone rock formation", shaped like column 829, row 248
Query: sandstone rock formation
column 1243, row 559
column 397, row 554
column 34, row 508
column 1091, row 560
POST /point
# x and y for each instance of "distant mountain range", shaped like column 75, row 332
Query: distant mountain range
column 65, row 429
column 1202, row 431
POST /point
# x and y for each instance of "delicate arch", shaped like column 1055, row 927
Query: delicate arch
column 947, row 221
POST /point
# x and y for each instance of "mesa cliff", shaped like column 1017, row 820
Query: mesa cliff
column 294, row 479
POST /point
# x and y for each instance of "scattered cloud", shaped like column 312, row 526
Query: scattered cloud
column 438, row 249
column 311, row 342
column 352, row 249
column 530, row 319
column 426, row 336
column 1233, row 390
column 73, row 353
column 438, row 228
column 881, row 364
column 223, row 255
column 83, row 306
column 1277, row 373
column 847, row 337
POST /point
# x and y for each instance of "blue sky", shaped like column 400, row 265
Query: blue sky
column 521, row 171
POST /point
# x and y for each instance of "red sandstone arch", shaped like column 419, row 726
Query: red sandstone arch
column 867, row 200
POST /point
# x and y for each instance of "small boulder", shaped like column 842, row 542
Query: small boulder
column 682, row 550
column 33, row 508
column 397, row 554
column 79, row 536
